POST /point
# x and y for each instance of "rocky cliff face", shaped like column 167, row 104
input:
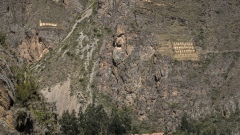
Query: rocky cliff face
column 17, row 117
column 134, row 70
column 161, row 58
column 27, row 41
column 6, row 115
column 7, row 92
column 32, row 47
column 21, row 23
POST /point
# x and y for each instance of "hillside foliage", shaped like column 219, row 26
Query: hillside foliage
column 211, row 125
column 25, row 85
column 95, row 121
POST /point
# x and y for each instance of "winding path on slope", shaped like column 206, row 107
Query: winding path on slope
column 86, row 14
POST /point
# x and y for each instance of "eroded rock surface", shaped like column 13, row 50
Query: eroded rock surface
column 32, row 47
column 7, row 120
column 6, row 115
column 60, row 94
column 157, row 86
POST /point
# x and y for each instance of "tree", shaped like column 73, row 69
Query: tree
column 184, row 123
column 95, row 120
column 69, row 123
column 25, row 85
column 120, row 122
column 81, row 122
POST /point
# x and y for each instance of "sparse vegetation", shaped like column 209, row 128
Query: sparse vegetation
column 64, row 47
column 43, row 116
column 108, row 30
column 2, row 38
column 174, row 105
column 97, row 32
column 71, row 55
column 23, row 121
column 25, row 85
column 84, row 82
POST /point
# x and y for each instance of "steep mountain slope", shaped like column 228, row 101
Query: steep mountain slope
column 119, row 52
column 163, row 59
column 7, row 93
column 26, row 35
column 158, row 86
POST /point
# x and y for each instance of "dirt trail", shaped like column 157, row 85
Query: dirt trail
column 90, row 82
column 60, row 93
column 89, row 56
column 86, row 14
column 80, row 43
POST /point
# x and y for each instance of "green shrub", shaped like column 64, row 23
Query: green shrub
column 2, row 38
column 21, row 117
column 43, row 117
column 174, row 105
column 25, row 85
column 108, row 29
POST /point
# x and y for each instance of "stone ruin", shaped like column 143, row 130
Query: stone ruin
column 180, row 50
column 42, row 24
column 184, row 51
column 147, row 0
